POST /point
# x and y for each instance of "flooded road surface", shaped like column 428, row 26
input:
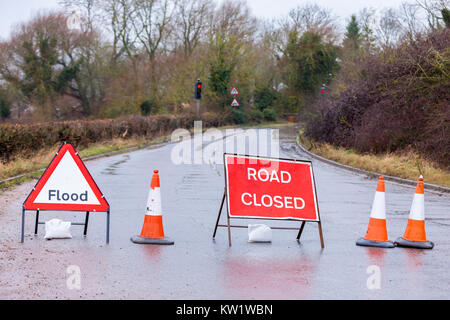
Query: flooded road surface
column 197, row 267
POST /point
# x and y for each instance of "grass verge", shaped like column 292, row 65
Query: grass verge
column 405, row 164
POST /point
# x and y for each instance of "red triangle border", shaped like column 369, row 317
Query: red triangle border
column 66, row 147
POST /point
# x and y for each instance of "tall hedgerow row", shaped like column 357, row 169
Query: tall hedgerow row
column 26, row 139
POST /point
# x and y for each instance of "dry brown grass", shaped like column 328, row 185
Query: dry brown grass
column 406, row 164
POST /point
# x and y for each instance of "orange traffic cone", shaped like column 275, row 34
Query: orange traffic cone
column 376, row 235
column 153, row 231
column 414, row 236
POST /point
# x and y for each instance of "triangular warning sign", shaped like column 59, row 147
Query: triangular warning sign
column 235, row 103
column 234, row 92
column 66, row 185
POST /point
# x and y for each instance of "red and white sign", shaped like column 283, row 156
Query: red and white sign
column 235, row 103
column 265, row 188
column 234, row 91
column 66, row 185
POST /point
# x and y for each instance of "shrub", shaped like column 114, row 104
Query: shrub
column 238, row 116
column 270, row 114
column 256, row 116
column 5, row 112
column 148, row 107
column 265, row 97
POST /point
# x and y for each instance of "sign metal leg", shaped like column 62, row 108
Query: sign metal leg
column 107, row 225
column 23, row 225
column 220, row 213
column 301, row 230
column 229, row 231
column 86, row 222
column 321, row 235
column 37, row 223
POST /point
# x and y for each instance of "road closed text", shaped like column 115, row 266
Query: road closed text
column 269, row 201
column 274, row 189
column 266, row 200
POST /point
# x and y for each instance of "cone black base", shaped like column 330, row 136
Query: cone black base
column 161, row 242
column 414, row 244
column 369, row 243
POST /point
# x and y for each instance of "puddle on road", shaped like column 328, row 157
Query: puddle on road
column 111, row 170
column 399, row 213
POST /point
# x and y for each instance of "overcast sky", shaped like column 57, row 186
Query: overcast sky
column 15, row 11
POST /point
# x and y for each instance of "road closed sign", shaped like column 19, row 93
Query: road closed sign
column 66, row 185
column 265, row 188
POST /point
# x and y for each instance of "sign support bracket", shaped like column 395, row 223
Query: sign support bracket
column 85, row 224
column 229, row 226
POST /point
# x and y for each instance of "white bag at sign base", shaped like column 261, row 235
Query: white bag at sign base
column 57, row 229
column 259, row 233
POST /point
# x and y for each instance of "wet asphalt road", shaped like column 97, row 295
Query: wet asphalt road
column 197, row 267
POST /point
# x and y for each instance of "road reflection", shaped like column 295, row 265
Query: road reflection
column 268, row 277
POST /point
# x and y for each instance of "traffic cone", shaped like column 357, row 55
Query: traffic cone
column 153, row 231
column 414, row 236
column 376, row 235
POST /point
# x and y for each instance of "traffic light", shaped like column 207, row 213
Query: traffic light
column 198, row 89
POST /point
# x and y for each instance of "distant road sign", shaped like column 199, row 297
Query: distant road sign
column 234, row 92
column 235, row 103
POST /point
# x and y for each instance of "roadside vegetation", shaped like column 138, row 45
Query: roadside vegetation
column 404, row 164
column 102, row 71
column 390, row 98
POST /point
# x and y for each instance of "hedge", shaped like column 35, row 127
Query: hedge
column 26, row 139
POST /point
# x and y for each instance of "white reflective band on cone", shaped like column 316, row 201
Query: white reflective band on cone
column 417, row 211
column 379, row 206
column 154, row 207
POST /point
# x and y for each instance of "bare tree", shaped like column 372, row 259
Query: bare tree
column 311, row 17
column 117, row 16
column 231, row 27
column 432, row 10
column 389, row 29
column 306, row 18
column 410, row 19
column 152, row 24
column 367, row 21
column 192, row 20
column 88, row 10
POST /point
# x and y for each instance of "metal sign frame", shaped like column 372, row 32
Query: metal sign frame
column 28, row 204
column 225, row 198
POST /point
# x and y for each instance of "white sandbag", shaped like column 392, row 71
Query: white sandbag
column 57, row 229
column 259, row 233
